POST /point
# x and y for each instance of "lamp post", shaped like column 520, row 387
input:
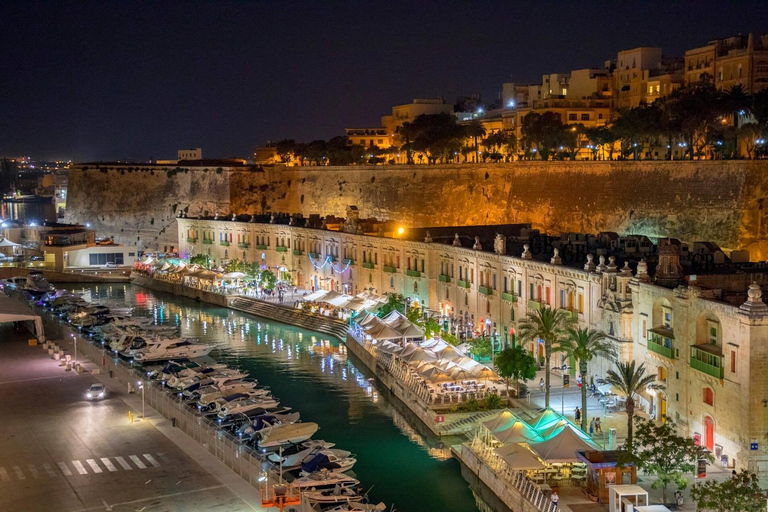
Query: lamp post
column 75, row 339
column 141, row 386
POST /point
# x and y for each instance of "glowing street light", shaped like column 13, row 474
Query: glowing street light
column 400, row 231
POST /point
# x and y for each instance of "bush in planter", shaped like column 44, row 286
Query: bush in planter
column 493, row 401
column 472, row 405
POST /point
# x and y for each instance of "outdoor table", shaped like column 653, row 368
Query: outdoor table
column 545, row 488
column 549, row 471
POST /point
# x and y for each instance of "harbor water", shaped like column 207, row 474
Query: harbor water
column 313, row 374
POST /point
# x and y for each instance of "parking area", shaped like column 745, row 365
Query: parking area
column 60, row 451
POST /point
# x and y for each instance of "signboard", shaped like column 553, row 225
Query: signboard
column 439, row 419
column 753, row 445
column 566, row 380
column 701, row 468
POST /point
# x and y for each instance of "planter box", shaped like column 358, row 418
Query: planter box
column 413, row 273
column 367, row 264
column 313, row 255
column 463, row 284
column 191, row 240
column 297, row 252
column 485, row 290
column 207, row 242
column 280, row 248
column 387, row 268
column 224, row 243
column 243, row 245
column 261, row 247
column 349, row 261
column 444, row 278
column 509, row 297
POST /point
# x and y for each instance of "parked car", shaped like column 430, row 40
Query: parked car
column 111, row 265
column 96, row 392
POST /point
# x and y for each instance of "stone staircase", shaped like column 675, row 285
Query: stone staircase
column 291, row 316
column 467, row 424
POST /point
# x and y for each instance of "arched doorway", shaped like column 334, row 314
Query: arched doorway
column 709, row 433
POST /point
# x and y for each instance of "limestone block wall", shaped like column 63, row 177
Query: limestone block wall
column 719, row 201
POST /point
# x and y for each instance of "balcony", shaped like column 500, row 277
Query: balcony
column 225, row 243
column 572, row 313
column 413, row 273
column 485, row 290
column 463, row 284
column 444, row 278
column 387, row 268
column 243, row 245
column 207, row 242
column 367, row 264
column 313, row 255
column 660, row 342
column 297, row 252
column 509, row 297
column 261, row 247
column 191, row 239
column 535, row 305
column 281, row 248
column 349, row 261
column 707, row 359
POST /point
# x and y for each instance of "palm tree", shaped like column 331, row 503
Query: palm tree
column 737, row 102
column 585, row 345
column 630, row 381
column 475, row 130
column 550, row 326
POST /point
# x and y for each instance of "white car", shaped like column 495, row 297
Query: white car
column 111, row 265
column 96, row 392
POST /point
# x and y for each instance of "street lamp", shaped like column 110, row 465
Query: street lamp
column 141, row 386
column 75, row 338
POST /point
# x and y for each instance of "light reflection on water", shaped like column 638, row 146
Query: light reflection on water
column 312, row 374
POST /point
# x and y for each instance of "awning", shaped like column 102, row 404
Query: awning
column 518, row 457
column 562, row 447
column 13, row 310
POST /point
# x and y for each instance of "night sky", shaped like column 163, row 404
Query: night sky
column 113, row 80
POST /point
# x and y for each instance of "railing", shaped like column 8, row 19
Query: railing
column 661, row 345
column 572, row 313
column 711, row 364
column 509, row 297
column 313, row 255
column 297, row 252
column 261, row 247
column 367, row 264
column 444, row 278
column 224, row 243
column 485, row 290
column 243, row 245
column 191, row 239
column 207, row 241
column 534, row 305
column 387, row 268
column 281, row 248
column 463, row 284
column 349, row 261
column 413, row 273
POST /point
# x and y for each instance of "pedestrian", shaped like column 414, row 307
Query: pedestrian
column 555, row 498
column 598, row 425
column 592, row 426
column 541, row 384
column 578, row 414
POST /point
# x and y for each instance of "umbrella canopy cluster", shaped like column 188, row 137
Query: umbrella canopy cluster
column 350, row 302
column 550, row 438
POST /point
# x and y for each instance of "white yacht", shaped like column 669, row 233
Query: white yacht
column 324, row 479
column 37, row 285
column 244, row 405
column 280, row 435
column 210, row 393
column 172, row 349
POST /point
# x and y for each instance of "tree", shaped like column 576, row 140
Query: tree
column 395, row 302
column 740, row 493
column 480, row 347
column 515, row 364
column 474, row 130
column 285, row 149
column 200, row 259
column 438, row 135
column 267, row 279
column 584, row 345
column 659, row 451
column 408, row 132
column 549, row 325
column 736, row 103
column 630, row 380
column 544, row 132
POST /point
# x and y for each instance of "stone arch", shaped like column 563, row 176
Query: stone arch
column 708, row 330
column 661, row 315
column 708, row 395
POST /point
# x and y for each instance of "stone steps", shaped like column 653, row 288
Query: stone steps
column 288, row 315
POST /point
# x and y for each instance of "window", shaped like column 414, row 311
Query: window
column 585, row 117
column 709, row 396
column 581, row 303
column 104, row 258
column 573, row 117
column 599, row 116
column 506, row 290
column 733, row 361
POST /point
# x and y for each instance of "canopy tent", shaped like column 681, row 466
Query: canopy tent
column 329, row 296
column 420, row 355
column 409, row 349
column 382, row 331
column 356, row 304
column 502, row 421
column 559, row 427
column 340, row 301
column 394, row 318
column 7, row 243
column 547, row 419
column 562, row 447
column 148, row 260
column 435, row 344
column 485, row 373
column 234, row 275
column 165, row 266
column 518, row 458
column 410, row 330
column 448, row 352
column 434, row 374
column 518, row 432
column 314, row 296
column 12, row 310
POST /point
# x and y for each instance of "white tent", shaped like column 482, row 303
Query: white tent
column 234, row 275
column 340, row 301
column 518, row 458
column 382, row 331
column 420, row 355
column 314, row 296
column 562, row 447
column 12, row 310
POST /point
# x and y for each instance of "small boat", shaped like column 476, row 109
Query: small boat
column 37, row 285
column 208, row 394
column 248, row 430
column 324, row 479
column 243, row 405
column 328, row 459
column 173, row 349
column 357, row 507
column 294, row 455
column 279, row 435
column 337, row 494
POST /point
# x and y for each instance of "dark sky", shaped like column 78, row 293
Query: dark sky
column 126, row 80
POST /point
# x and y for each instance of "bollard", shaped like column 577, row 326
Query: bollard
column 32, row 342
column 173, row 422
column 68, row 357
column 50, row 351
column 57, row 356
column 69, row 367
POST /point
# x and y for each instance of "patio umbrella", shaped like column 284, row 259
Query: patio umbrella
column 234, row 275
column 485, row 373
column 562, row 447
column 517, row 432
column 519, row 458
column 420, row 355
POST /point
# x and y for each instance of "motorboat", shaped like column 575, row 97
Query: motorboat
column 337, row 460
column 250, row 429
column 37, row 285
column 324, row 479
column 208, row 394
column 337, row 494
column 186, row 378
column 242, row 405
column 280, row 435
column 357, row 507
column 173, row 349
column 292, row 456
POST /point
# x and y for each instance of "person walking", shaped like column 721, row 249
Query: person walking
column 555, row 498
column 598, row 426
column 592, row 426
column 577, row 414
column 541, row 384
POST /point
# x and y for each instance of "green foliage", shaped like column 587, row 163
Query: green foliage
column 438, row 135
column 395, row 302
column 740, row 493
column 471, row 405
column 200, row 259
column 267, row 279
column 480, row 347
column 493, row 401
column 659, row 451
column 514, row 364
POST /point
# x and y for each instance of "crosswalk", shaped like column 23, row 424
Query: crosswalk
column 93, row 466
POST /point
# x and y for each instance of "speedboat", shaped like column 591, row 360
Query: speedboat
column 279, row 435
column 324, row 479
column 243, row 405
column 337, row 494
column 336, row 460
column 208, row 394
column 37, row 285
column 185, row 379
column 250, row 429
column 294, row 455
column 173, row 349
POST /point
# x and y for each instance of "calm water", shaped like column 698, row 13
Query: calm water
column 313, row 375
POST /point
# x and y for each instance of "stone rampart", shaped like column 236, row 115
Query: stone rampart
column 719, row 201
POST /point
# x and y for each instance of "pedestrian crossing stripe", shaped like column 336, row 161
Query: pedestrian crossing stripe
column 91, row 466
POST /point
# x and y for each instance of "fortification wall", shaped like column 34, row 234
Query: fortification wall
column 709, row 200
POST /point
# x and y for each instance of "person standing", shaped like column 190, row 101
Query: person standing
column 577, row 414
column 592, row 426
column 541, row 384
column 598, row 425
column 555, row 498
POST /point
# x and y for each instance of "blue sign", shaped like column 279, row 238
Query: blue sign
column 753, row 446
